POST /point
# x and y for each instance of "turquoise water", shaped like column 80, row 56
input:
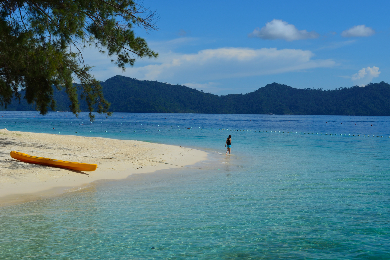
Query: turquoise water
column 297, row 187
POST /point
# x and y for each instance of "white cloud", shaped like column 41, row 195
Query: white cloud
column 209, row 69
column 358, row 31
column 278, row 29
column 223, row 63
column 365, row 76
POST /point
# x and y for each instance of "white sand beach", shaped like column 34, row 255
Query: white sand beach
column 116, row 159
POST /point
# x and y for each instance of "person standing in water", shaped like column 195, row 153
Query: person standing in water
column 228, row 144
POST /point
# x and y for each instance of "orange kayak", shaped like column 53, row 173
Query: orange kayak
column 53, row 162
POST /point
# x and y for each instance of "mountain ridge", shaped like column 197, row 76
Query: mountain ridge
column 137, row 96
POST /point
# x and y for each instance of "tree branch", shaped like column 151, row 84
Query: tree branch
column 138, row 19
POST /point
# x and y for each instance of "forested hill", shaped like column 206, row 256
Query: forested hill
column 135, row 96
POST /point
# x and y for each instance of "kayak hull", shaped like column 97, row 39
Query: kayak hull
column 53, row 162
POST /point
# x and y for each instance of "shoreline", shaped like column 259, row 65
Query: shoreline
column 116, row 159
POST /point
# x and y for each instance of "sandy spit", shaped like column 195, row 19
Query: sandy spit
column 116, row 159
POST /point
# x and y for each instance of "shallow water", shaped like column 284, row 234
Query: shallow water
column 299, row 187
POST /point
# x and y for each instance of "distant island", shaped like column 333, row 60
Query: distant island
column 140, row 96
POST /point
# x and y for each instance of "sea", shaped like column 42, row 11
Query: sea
column 294, row 187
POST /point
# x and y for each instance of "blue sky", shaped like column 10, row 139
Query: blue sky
column 228, row 47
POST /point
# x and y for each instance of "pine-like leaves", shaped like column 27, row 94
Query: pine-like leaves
column 41, row 46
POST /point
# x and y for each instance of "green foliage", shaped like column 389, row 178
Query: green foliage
column 135, row 96
column 41, row 46
column 131, row 95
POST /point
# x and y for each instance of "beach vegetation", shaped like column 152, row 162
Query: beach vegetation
column 42, row 43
